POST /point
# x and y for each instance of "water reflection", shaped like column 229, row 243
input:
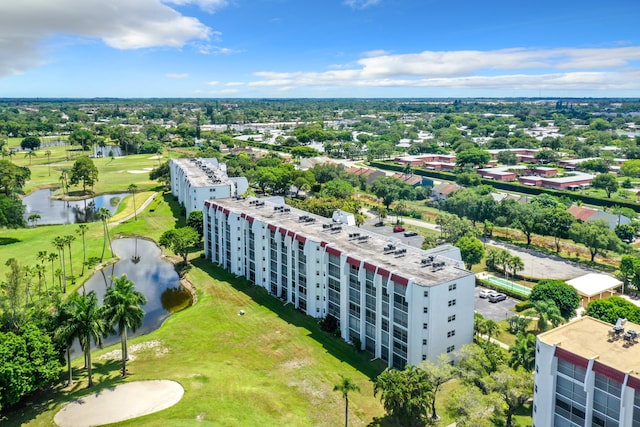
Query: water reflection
column 53, row 211
column 154, row 277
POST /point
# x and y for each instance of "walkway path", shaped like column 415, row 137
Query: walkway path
column 138, row 211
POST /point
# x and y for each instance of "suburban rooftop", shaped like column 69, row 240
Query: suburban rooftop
column 424, row 267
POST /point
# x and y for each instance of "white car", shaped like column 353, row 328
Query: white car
column 486, row 293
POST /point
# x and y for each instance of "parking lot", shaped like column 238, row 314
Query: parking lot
column 495, row 311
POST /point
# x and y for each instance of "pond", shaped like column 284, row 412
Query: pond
column 53, row 211
column 154, row 277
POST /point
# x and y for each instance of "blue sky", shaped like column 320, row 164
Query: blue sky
column 319, row 48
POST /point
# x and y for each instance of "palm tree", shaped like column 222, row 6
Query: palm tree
column 516, row 264
column 123, row 307
column 523, row 352
column 104, row 214
column 502, row 259
column 82, row 230
column 48, row 154
column 66, row 331
column 59, row 243
column 30, row 154
column 132, row 189
column 88, row 320
column 52, row 257
column 345, row 386
column 547, row 312
column 33, row 219
column 67, row 240
column 64, row 180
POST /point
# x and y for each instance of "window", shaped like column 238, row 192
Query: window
column 451, row 348
column 451, row 318
column 453, row 286
column 426, row 293
column 451, row 333
column 452, row 303
column 424, row 342
column 425, row 309
column 424, row 357
column 425, row 325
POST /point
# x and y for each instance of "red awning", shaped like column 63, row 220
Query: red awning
column 370, row 267
column 572, row 358
column 608, row 372
column 333, row 251
column 353, row 261
column 383, row 272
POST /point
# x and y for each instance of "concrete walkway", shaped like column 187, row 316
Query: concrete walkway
column 138, row 211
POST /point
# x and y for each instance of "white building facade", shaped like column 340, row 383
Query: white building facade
column 401, row 304
column 194, row 180
column 587, row 375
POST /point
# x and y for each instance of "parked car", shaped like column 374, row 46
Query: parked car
column 486, row 293
column 398, row 229
column 410, row 233
column 497, row 297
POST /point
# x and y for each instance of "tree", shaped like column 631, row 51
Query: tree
column 471, row 250
column 66, row 332
column 523, row 351
column 556, row 222
column 613, row 308
column 11, row 211
column 68, row 239
column 473, row 156
column 404, row 394
column 564, row 296
column 515, row 387
column 133, row 189
column 625, row 232
column 595, row 235
column 471, row 408
column 82, row 231
column 84, row 171
column 546, row 156
column 516, row 264
column 546, row 312
column 52, row 257
column 59, row 243
column 529, row 218
column 30, row 143
column 180, row 240
column 436, row 374
column 30, row 155
column 345, row 386
column 28, row 362
column 83, row 137
column 607, row 182
column 12, row 177
column 337, row 188
column 34, row 218
column 88, row 320
column 390, row 189
column 104, row 214
column 196, row 221
column 48, row 154
column 507, row 157
column 123, row 308
column 162, row 173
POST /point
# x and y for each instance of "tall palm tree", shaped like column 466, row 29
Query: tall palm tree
column 43, row 256
column 67, row 240
column 48, row 154
column 345, row 386
column 104, row 214
column 133, row 189
column 52, row 257
column 523, row 352
column 88, row 319
column 82, row 230
column 59, row 243
column 30, row 154
column 516, row 264
column 66, row 330
column 123, row 308
column 547, row 312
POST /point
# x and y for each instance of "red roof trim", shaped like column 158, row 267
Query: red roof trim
column 283, row 231
column 300, row 238
column 290, row 233
column 634, row 382
column 370, row 267
column 333, row 251
column 572, row 358
column 250, row 219
column 271, row 227
column 608, row 372
column 383, row 272
column 225, row 211
column 353, row 261
column 399, row 279
column 323, row 244
column 243, row 215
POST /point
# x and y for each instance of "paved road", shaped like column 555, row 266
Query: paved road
column 536, row 264
column 495, row 311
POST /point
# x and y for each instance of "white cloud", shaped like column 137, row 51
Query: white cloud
column 361, row 4
column 561, row 69
column 120, row 24
column 206, row 5
column 177, row 75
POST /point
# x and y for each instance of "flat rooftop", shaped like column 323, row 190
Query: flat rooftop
column 404, row 260
column 203, row 172
column 589, row 338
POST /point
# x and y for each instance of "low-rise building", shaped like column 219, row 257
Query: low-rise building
column 400, row 303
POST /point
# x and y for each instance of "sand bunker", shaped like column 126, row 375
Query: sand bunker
column 145, row 170
column 120, row 403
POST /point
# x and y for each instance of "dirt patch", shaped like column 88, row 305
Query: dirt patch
column 134, row 349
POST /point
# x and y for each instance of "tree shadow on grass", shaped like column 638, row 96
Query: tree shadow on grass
column 337, row 347
column 8, row 240
column 176, row 210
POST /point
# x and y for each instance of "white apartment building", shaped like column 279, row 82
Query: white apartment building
column 194, row 180
column 588, row 374
column 402, row 304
